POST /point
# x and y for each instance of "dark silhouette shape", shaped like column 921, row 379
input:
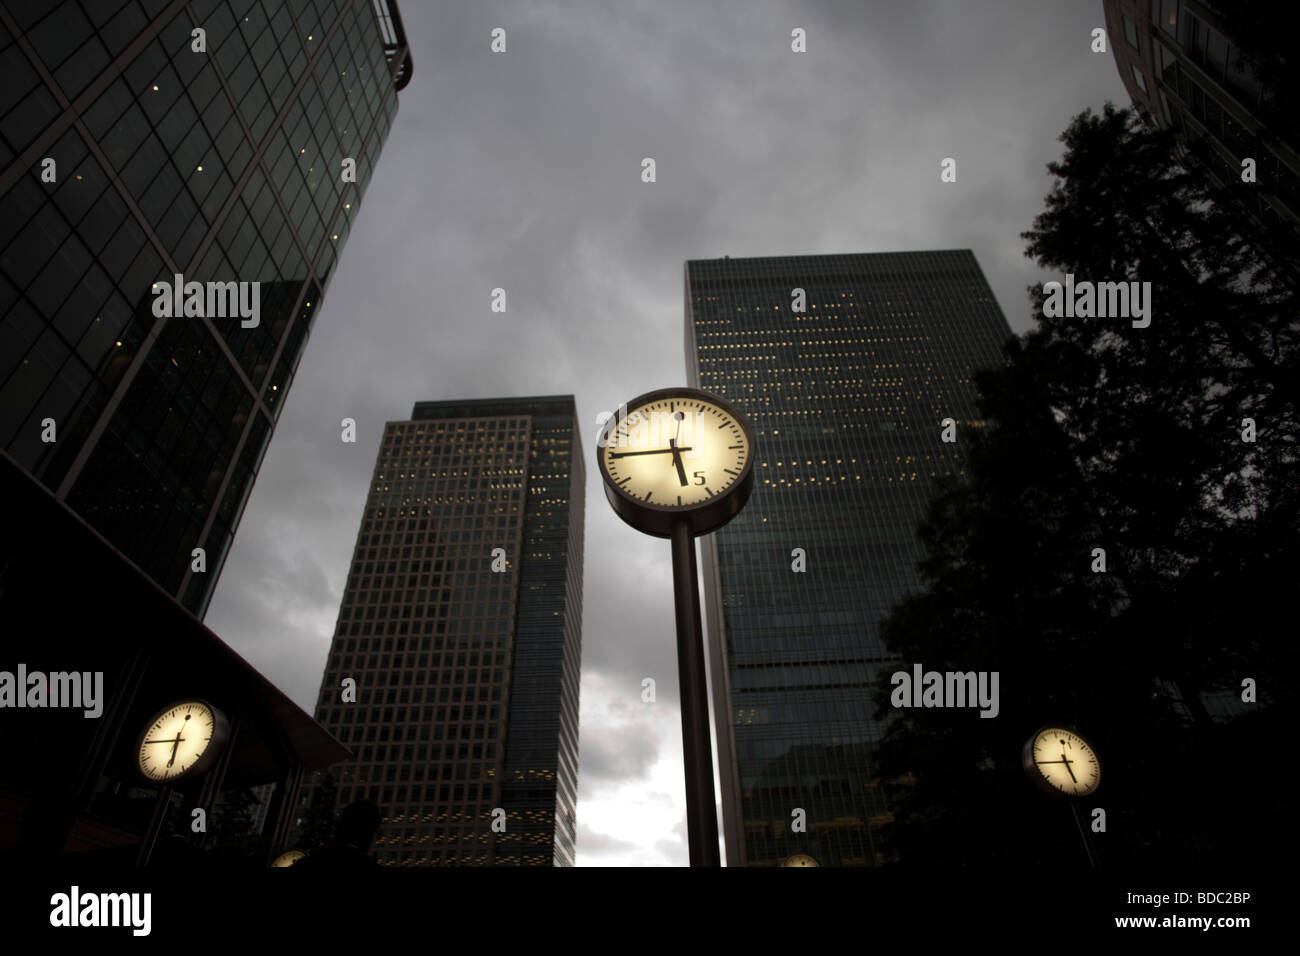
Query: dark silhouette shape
column 356, row 831
column 1133, row 441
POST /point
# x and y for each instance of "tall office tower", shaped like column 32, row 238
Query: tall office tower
column 461, row 624
column 1215, row 73
column 140, row 141
column 846, row 399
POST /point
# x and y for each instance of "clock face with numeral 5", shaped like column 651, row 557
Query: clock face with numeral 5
column 677, row 454
column 1062, row 762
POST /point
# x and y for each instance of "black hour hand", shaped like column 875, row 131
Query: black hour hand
column 677, row 460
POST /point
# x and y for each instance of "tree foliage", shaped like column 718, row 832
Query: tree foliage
column 1102, row 435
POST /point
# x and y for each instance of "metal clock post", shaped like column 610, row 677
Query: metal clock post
column 195, row 717
column 1070, row 777
column 719, row 440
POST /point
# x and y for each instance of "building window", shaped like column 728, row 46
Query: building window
column 1137, row 78
column 1131, row 33
column 1168, row 65
column 1166, row 15
column 1216, row 54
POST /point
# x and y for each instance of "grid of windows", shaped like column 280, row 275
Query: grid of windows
column 465, row 657
column 221, row 165
column 846, row 399
column 541, row 769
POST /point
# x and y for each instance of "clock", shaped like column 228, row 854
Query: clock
column 289, row 858
column 677, row 455
column 181, row 741
column 800, row 859
column 1062, row 762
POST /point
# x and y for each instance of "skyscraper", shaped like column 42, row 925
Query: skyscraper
column 461, row 625
column 139, row 142
column 1211, row 72
column 847, row 399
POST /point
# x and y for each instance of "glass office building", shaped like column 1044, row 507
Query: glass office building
column 139, row 141
column 846, row 400
column 461, row 624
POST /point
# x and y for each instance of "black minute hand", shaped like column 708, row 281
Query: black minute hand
column 652, row 451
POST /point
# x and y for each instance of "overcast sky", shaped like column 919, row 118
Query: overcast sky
column 522, row 170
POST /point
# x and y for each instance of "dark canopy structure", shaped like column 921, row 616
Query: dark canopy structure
column 69, row 602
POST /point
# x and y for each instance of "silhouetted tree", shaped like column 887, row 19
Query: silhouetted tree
column 1103, row 435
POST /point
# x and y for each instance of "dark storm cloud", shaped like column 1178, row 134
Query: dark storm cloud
column 522, row 171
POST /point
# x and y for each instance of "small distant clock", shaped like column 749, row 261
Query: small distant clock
column 800, row 859
column 677, row 454
column 289, row 858
column 182, row 741
column 1062, row 762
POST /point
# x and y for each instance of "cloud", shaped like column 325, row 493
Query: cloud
column 623, row 753
column 600, row 844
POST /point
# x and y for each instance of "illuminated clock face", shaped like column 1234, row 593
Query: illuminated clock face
column 1065, row 761
column 676, row 452
column 177, row 740
column 800, row 859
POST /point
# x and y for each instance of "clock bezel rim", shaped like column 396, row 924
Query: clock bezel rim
column 1031, row 766
column 220, row 737
column 702, row 517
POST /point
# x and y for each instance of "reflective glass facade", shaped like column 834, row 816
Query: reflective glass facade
column 846, row 401
column 222, row 165
column 467, row 676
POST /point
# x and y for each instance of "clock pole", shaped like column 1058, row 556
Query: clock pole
column 720, row 446
column 697, row 745
column 1083, row 834
column 160, row 807
column 1033, row 765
